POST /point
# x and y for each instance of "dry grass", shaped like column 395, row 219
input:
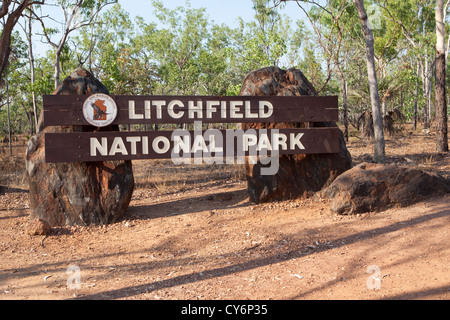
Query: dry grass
column 13, row 173
column 12, row 169
column 407, row 147
column 166, row 177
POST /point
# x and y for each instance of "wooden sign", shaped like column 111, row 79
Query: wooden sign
column 68, row 109
column 105, row 146
column 101, row 110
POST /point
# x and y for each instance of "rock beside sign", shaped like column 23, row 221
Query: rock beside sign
column 301, row 175
column 63, row 194
column 375, row 187
column 39, row 227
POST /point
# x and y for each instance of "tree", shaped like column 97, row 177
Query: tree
column 27, row 28
column 214, row 60
column 417, row 24
column 111, row 54
column 77, row 14
column 268, row 32
column 13, row 95
column 379, row 143
column 179, row 45
column 267, row 40
column 329, row 24
column 12, row 10
column 8, row 112
column 441, row 103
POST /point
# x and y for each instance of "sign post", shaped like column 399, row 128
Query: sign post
column 102, row 110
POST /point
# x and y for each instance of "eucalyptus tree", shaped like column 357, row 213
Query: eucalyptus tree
column 217, row 76
column 13, row 95
column 416, row 19
column 379, row 142
column 268, row 33
column 10, row 12
column 75, row 15
column 333, row 24
column 106, row 49
column 178, row 46
column 27, row 27
column 270, row 39
column 441, row 103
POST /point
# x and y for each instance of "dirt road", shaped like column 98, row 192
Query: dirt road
column 212, row 243
column 207, row 241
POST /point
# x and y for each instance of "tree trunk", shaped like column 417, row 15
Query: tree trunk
column 401, row 99
column 416, row 93
column 425, row 92
column 430, row 86
column 9, row 113
column 8, row 27
column 5, row 47
column 57, row 68
column 346, row 134
column 379, row 144
column 416, row 96
column 32, row 71
column 441, row 103
column 345, row 103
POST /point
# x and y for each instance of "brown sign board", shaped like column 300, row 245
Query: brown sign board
column 137, row 145
column 68, row 109
column 100, row 110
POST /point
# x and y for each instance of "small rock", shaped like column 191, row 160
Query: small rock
column 39, row 227
column 225, row 196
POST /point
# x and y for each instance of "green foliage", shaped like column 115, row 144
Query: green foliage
column 181, row 51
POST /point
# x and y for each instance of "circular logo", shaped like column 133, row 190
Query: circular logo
column 100, row 110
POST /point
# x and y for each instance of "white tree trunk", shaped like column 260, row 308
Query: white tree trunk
column 32, row 71
column 379, row 143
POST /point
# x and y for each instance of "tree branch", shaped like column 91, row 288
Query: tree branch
column 13, row 16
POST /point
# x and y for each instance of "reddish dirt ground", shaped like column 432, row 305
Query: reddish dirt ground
column 205, row 240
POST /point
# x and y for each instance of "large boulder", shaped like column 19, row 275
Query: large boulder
column 301, row 175
column 85, row 193
column 375, row 187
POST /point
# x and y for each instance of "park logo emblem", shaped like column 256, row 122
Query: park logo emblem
column 100, row 110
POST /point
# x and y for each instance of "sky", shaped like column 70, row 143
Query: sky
column 219, row 11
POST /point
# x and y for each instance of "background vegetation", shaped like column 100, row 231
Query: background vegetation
column 183, row 52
